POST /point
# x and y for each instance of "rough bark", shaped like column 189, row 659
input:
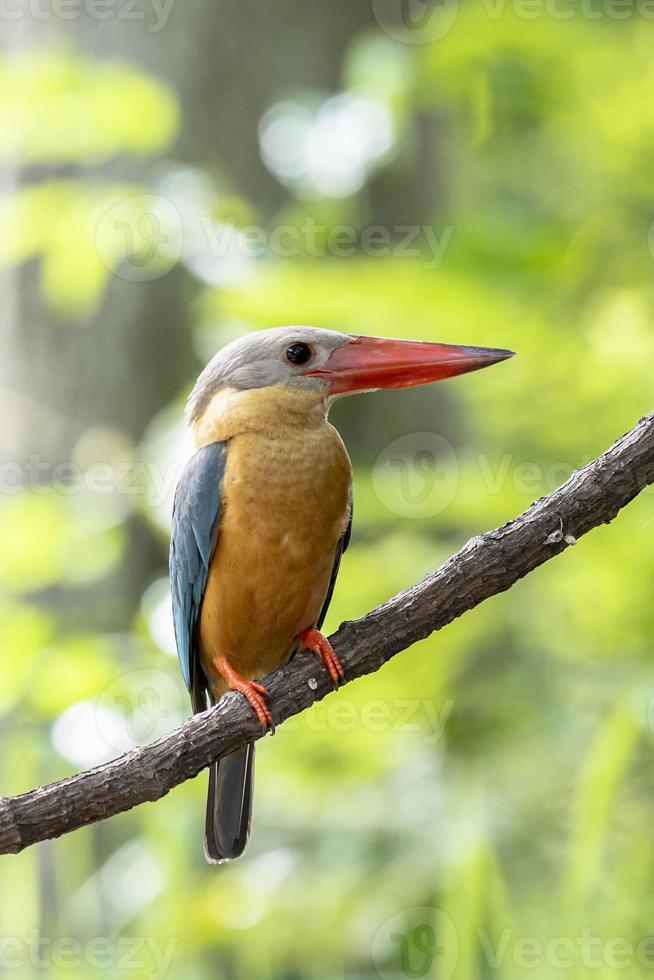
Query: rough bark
column 485, row 566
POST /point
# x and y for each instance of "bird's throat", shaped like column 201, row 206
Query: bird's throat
column 269, row 410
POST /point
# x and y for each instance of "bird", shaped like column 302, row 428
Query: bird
column 262, row 516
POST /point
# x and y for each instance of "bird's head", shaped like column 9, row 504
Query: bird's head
column 325, row 364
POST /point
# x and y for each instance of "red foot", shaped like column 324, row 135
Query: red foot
column 255, row 693
column 312, row 639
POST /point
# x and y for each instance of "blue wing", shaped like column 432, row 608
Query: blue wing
column 196, row 518
column 340, row 551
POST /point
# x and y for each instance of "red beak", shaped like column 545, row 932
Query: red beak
column 368, row 363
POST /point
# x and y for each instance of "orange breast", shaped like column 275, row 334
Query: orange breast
column 284, row 509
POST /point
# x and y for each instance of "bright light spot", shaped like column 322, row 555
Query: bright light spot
column 104, row 465
column 165, row 450
column 329, row 151
column 260, row 882
column 131, row 879
column 268, row 872
column 78, row 734
column 149, row 702
column 128, row 881
column 283, row 132
column 102, row 446
column 213, row 251
column 158, row 611
column 245, row 910
column 188, row 188
column 218, row 253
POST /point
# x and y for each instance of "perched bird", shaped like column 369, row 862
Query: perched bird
column 262, row 516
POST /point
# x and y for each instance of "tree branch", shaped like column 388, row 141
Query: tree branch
column 485, row 566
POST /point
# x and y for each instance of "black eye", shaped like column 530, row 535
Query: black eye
column 298, row 353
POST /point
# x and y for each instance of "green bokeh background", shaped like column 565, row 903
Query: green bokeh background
column 483, row 806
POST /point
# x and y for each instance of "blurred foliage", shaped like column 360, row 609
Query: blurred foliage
column 59, row 221
column 498, row 773
column 57, row 107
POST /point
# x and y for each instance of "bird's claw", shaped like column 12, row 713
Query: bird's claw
column 255, row 693
column 313, row 640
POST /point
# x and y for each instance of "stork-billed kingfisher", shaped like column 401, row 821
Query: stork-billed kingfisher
column 262, row 515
